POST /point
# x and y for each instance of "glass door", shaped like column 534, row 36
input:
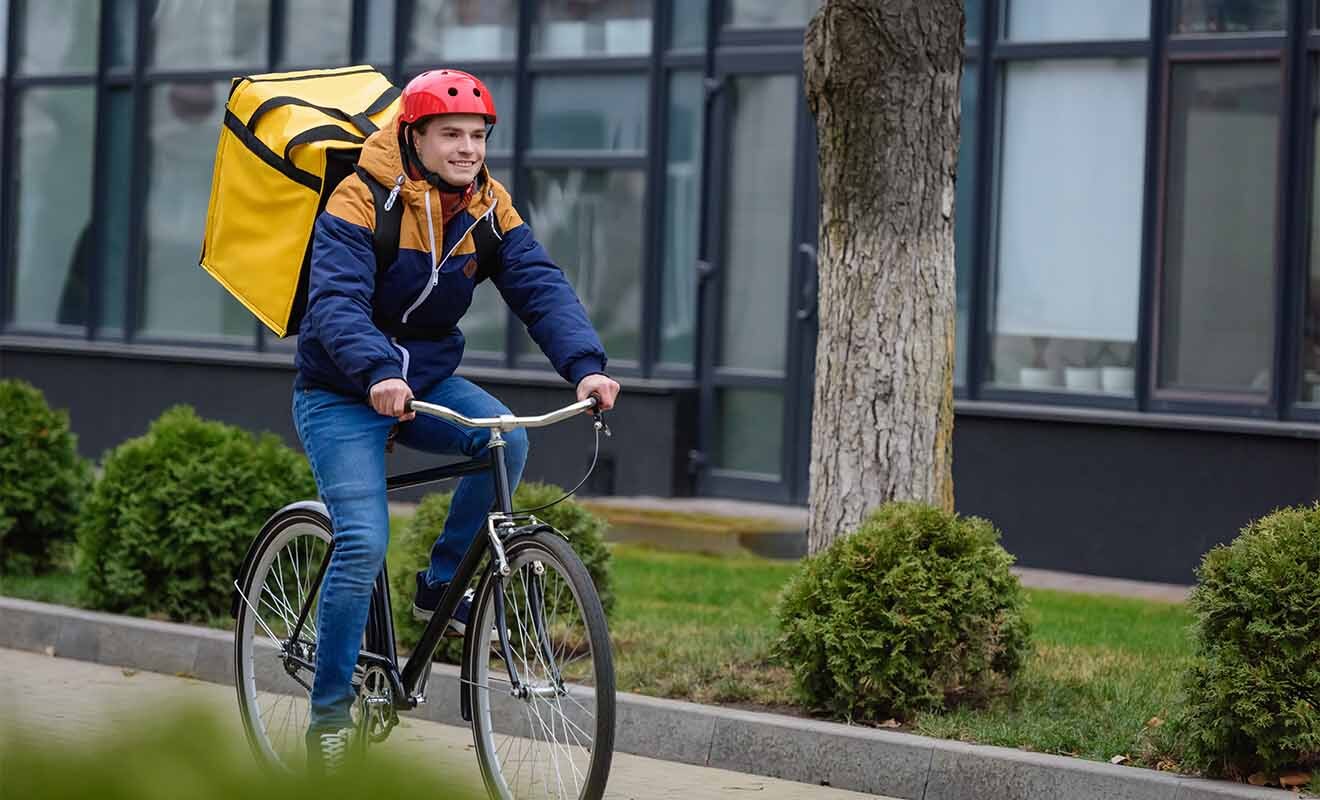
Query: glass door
column 758, row 297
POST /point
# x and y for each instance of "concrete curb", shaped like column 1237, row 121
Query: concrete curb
column 884, row 762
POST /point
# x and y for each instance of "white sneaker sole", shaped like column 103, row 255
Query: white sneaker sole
column 422, row 615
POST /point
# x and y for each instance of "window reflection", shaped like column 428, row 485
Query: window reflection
column 590, row 221
column 572, row 28
column 54, row 246
column 589, row 113
column 179, row 298
column 58, row 36
column 194, row 34
column 1217, row 303
column 445, row 31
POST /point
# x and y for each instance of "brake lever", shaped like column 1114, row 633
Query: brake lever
column 599, row 424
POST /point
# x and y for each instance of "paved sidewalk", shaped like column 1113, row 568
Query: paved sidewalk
column 63, row 700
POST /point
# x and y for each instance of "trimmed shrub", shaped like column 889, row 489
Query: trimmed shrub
column 1253, row 690
column 175, row 510
column 914, row 610
column 43, row 480
column 411, row 551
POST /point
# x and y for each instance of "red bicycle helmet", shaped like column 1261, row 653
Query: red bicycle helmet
column 445, row 91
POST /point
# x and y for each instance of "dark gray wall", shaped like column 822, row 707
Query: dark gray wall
column 1132, row 502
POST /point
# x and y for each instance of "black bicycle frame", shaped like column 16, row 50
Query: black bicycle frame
column 413, row 670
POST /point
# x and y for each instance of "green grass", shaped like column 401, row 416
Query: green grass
column 62, row 587
column 699, row 628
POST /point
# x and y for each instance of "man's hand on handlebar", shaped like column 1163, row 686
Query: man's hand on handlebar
column 602, row 387
column 390, row 398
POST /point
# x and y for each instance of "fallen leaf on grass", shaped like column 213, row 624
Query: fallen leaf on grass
column 1118, row 760
column 1258, row 779
column 1294, row 780
column 1166, row 765
column 1154, row 722
column 890, row 723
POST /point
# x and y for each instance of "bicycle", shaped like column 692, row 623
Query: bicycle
column 539, row 693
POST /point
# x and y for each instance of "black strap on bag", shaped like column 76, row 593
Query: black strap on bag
column 385, row 241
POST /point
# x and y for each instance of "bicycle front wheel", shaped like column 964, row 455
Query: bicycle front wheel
column 552, row 736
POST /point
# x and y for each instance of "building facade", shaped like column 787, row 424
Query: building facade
column 1138, row 364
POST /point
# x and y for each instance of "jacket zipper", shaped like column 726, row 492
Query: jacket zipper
column 435, row 266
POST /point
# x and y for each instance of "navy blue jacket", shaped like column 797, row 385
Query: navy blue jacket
column 361, row 328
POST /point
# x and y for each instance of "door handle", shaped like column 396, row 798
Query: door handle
column 812, row 285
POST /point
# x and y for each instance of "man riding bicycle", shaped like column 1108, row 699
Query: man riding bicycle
column 372, row 341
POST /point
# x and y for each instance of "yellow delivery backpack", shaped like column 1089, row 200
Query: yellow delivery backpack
column 288, row 139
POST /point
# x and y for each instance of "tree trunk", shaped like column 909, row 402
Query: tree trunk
column 882, row 78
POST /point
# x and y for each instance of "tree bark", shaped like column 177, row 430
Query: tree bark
column 882, row 79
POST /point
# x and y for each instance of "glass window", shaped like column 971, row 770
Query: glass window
column 1227, row 16
column 502, row 88
column 180, row 299
column 316, row 33
column 1310, row 385
column 975, row 11
column 589, row 113
column 123, row 39
column 964, row 217
column 197, row 34
column 590, row 221
column 1217, row 283
column 445, row 31
column 1071, row 20
column 59, row 36
column 1069, row 243
column 113, row 238
column 4, row 36
column 751, row 436
column 769, row 13
column 54, row 248
column 380, row 34
column 757, row 222
column 678, row 302
column 571, row 28
column 687, row 31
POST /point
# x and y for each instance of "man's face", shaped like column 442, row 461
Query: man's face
column 453, row 146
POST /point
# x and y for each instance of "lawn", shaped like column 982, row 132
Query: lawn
column 699, row 628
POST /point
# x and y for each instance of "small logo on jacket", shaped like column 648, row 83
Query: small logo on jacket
column 470, row 268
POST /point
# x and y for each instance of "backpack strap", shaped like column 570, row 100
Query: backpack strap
column 486, row 236
column 385, row 238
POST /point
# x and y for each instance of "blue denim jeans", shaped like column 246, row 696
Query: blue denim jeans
column 344, row 439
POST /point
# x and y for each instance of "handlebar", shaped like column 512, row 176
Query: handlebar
column 505, row 422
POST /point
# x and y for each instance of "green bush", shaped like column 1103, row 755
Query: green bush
column 1253, row 690
column 175, row 510
column 914, row 610
column 43, row 480
column 411, row 551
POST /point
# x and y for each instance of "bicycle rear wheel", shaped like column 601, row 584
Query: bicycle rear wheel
column 556, row 738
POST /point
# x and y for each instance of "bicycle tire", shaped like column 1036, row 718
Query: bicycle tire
column 499, row 731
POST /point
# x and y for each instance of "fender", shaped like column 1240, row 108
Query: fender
column 312, row 507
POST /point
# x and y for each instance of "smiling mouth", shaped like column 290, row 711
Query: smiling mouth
column 464, row 164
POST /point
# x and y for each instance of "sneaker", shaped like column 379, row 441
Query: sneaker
column 428, row 597
column 328, row 751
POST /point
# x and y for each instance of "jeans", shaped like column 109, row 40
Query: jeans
column 344, row 439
